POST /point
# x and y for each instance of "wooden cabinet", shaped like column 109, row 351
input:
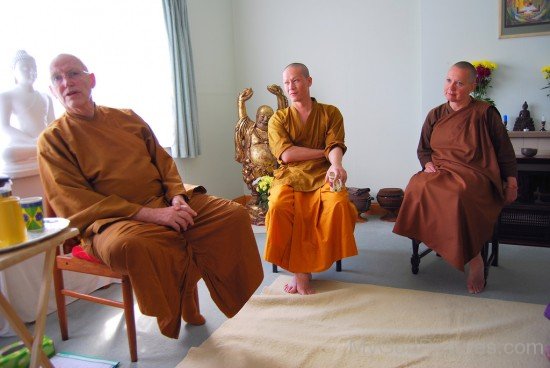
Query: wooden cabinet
column 527, row 220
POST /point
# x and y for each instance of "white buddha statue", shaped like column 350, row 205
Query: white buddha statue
column 24, row 113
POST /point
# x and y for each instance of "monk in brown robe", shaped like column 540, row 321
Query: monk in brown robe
column 104, row 169
column 469, row 174
column 309, row 224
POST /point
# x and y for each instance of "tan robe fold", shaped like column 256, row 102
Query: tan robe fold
column 308, row 226
column 453, row 210
column 99, row 172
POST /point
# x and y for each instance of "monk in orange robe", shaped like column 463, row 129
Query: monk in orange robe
column 104, row 169
column 309, row 224
column 453, row 204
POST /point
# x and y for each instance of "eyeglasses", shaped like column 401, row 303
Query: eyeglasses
column 71, row 75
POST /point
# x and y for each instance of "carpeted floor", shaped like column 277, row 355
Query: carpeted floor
column 522, row 276
column 358, row 325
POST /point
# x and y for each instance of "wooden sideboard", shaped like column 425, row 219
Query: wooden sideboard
column 527, row 220
column 539, row 140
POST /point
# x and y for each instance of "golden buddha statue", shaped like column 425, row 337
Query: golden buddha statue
column 252, row 144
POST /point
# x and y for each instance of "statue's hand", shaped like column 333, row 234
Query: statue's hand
column 246, row 94
column 275, row 89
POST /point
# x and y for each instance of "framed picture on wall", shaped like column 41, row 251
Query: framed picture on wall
column 521, row 18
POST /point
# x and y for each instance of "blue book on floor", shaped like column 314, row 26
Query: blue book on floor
column 68, row 360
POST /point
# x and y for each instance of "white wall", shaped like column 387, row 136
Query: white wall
column 360, row 61
column 211, row 29
column 469, row 30
column 382, row 63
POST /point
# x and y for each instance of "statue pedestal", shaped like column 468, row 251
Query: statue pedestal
column 29, row 186
column 257, row 213
column 25, row 179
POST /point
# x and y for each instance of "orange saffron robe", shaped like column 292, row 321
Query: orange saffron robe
column 308, row 226
column 453, row 211
column 99, row 172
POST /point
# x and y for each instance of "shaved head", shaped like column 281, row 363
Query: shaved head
column 67, row 57
column 464, row 65
column 304, row 70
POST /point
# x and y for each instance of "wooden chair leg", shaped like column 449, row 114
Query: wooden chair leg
column 486, row 262
column 494, row 253
column 338, row 266
column 494, row 245
column 128, row 299
column 415, row 258
column 60, row 300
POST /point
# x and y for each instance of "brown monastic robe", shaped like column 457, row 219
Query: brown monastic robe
column 453, row 210
column 99, row 172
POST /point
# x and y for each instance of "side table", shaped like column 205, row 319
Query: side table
column 55, row 233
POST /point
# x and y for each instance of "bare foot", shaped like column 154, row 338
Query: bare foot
column 300, row 284
column 476, row 277
column 291, row 286
column 190, row 309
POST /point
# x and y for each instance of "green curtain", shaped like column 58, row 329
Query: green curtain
column 186, row 143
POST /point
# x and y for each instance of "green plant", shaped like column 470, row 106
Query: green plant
column 263, row 185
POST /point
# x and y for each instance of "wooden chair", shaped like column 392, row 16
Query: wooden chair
column 338, row 266
column 487, row 260
column 67, row 262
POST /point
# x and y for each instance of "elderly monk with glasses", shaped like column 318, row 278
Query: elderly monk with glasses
column 104, row 169
column 310, row 221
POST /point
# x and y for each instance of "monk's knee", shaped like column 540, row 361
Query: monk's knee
column 279, row 208
column 121, row 249
column 340, row 206
column 237, row 214
column 240, row 213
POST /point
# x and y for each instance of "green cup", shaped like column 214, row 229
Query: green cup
column 33, row 213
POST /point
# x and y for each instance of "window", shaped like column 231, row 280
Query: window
column 123, row 42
